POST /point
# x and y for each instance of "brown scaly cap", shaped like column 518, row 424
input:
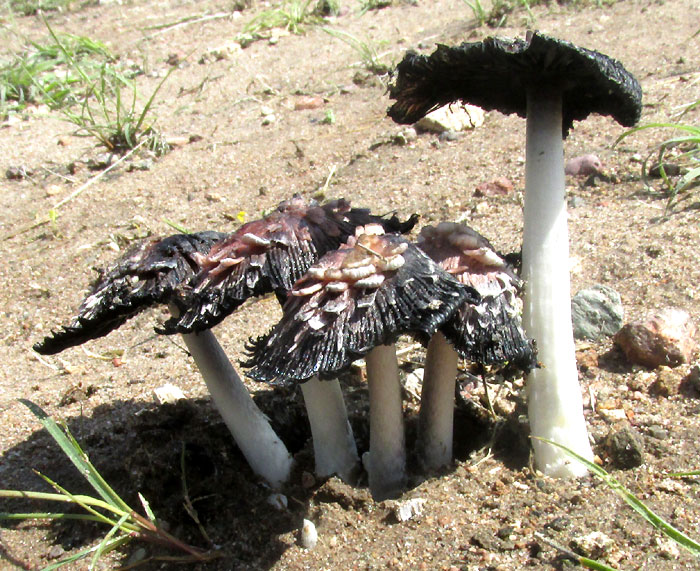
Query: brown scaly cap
column 488, row 331
column 269, row 255
column 150, row 273
column 497, row 73
column 374, row 288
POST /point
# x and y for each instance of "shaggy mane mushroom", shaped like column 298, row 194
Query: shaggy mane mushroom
column 354, row 303
column 488, row 332
column 151, row 273
column 553, row 83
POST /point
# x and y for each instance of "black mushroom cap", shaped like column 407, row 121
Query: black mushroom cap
column 489, row 331
column 269, row 255
column 374, row 288
column 497, row 73
column 150, row 273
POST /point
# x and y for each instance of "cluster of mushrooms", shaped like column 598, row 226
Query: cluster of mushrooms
column 350, row 282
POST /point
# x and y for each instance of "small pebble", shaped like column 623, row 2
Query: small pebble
column 583, row 165
column 55, row 552
column 593, row 545
column 18, row 173
column 596, row 313
column 625, row 448
column 168, row 393
column 309, row 536
column 409, row 509
column 666, row 384
column 452, row 118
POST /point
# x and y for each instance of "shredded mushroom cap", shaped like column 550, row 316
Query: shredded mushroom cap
column 150, row 273
column 372, row 289
column 489, row 331
column 268, row 255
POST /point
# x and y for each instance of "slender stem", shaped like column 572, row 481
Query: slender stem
column 436, row 419
column 387, row 448
column 265, row 452
column 334, row 444
column 555, row 406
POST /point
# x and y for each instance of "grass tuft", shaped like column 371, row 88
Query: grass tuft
column 291, row 15
column 634, row 502
column 370, row 57
column 41, row 74
column 109, row 508
column 680, row 153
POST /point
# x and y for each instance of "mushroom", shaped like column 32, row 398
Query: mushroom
column 354, row 303
column 488, row 332
column 211, row 281
column 270, row 255
column 151, row 273
column 552, row 83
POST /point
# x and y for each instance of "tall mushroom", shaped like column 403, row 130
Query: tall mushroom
column 552, row 83
column 151, row 273
column 354, row 303
column 488, row 332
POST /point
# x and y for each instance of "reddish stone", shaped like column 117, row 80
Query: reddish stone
column 663, row 338
column 584, row 165
column 308, row 102
column 500, row 186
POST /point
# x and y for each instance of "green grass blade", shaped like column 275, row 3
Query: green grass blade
column 76, row 456
column 149, row 103
column 687, row 128
column 177, row 226
column 684, row 474
column 76, row 500
column 49, row 515
column 115, row 543
column 103, row 546
column 88, row 500
column 635, row 503
column 147, row 508
column 592, row 564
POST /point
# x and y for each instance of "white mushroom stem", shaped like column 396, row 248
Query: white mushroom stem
column 335, row 451
column 265, row 452
column 555, row 406
column 386, row 463
column 436, row 418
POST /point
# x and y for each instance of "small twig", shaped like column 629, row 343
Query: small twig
column 58, row 174
column 563, row 550
column 326, row 184
column 186, row 21
column 189, row 507
column 45, row 362
column 488, row 397
column 371, row 251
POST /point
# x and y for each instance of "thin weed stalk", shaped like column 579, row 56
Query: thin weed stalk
column 125, row 523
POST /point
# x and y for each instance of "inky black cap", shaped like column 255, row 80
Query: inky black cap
column 497, row 73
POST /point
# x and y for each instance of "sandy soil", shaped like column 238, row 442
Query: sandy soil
column 484, row 511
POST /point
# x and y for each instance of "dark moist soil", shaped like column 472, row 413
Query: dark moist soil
column 486, row 510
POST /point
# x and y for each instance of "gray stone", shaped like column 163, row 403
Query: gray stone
column 596, row 312
column 625, row 448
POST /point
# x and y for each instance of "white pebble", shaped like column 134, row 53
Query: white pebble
column 309, row 537
column 168, row 393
